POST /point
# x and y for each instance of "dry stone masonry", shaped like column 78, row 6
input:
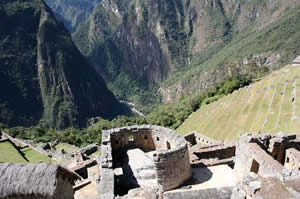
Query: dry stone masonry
column 167, row 149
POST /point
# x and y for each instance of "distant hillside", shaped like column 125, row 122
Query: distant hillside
column 43, row 77
column 270, row 105
column 175, row 48
column 254, row 51
column 72, row 12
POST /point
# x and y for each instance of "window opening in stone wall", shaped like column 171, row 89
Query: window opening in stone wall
column 131, row 138
column 146, row 137
column 157, row 138
column 287, row 160
column 168, row 145
column 254, row 167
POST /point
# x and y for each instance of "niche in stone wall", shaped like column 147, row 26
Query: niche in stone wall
column 168, row 145
column 254, row 166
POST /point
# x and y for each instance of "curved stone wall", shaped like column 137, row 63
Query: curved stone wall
column 171, row 158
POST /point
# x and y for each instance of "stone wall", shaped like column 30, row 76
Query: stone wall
column 292, row 160
column 220, row 152
column 106, row 168
column 212, row 193
column 171, row 158
column 251, row 157
column 211, row 156
column 64, row 188
column 196, row 138
column 172, row 167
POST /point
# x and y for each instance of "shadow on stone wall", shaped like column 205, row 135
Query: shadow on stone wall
column 126, row 181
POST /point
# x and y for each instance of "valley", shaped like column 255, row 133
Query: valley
column 139, row 99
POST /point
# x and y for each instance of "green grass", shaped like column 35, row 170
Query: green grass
column 97, row 153
column 68, row 148
column 34, row 156
column 8, row 153
column 264, row 106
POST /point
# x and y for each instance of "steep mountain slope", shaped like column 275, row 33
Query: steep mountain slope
column 72, row 12
column 138, row 44
column 270, row 105
column 43, row 77
column 252, row 52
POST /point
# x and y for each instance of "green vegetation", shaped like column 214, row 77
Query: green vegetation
column 96, row 154
column 170, row 115
column 283, row 35
column 193, row 38
column 9, row 153
column 266, row 106
column 72, row 12
column 173, row 115
column 68, row 148
column 71, row 135
column 33, row 156
column 172, row 20
column 60, row 93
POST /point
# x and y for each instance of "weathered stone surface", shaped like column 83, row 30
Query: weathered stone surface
column 146, row 193
column 143, row 168
column 88, row 150
column 170, row 162
column 222, row 193
column 271, row 158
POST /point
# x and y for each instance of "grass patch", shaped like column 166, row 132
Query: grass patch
column 265, row 106
column 9, row 153
column 34, row 156
column 97, row 153
column 68, row 148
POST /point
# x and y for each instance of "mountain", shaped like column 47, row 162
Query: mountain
column 43, row 76
column 72, row 12
column 270, row 105
column 175, row 48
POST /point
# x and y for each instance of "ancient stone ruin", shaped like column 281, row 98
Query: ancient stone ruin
column 267, row 166
column 152, row 162
column 142, row 156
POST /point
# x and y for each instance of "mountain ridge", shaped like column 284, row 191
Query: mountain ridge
column 46, row 80
column 147, row 46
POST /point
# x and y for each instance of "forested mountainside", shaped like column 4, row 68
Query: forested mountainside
column 179, row 47
column 72, row 12
column 43, row 76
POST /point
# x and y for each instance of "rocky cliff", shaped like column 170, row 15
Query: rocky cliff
column 43, row 77
column 72, row 12
column 138, row 44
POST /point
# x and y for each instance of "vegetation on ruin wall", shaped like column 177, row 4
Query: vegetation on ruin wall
column 170, row 115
